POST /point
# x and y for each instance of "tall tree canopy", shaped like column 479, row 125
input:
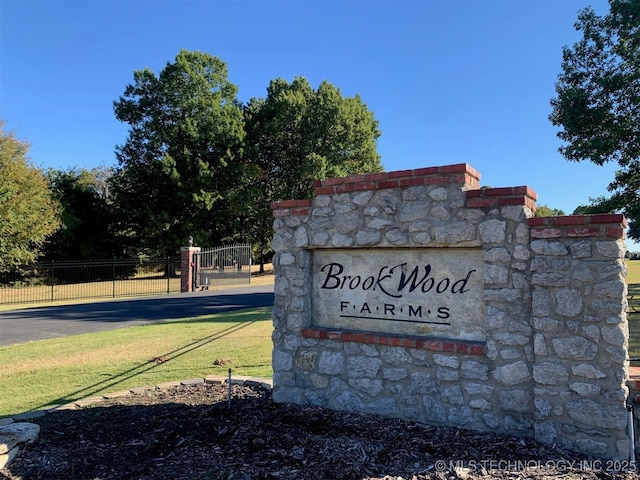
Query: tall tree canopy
column 597, row 105
column 296, row 135
column 179, row 168
column 28, row 211
column 197, row 162
column 86, row 231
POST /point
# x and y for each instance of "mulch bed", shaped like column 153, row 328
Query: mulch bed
column 188, row 432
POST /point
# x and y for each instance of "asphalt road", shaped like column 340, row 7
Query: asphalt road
column 21, row 326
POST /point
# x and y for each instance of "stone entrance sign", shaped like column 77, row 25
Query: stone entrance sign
column 419, row 295
column 435, row 292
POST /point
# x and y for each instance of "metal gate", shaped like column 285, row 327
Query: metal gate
column 230, row 265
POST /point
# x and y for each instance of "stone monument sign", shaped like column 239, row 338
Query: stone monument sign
column 419, row 295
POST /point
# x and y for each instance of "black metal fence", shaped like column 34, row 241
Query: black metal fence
column 72, row 280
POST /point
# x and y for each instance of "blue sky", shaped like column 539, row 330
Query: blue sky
column 449, row 81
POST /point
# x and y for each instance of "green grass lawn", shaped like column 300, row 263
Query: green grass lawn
column 45, row 373
column 633, row 271
column 633, row 283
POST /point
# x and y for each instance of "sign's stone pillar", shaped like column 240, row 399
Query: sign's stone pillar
column 580, row 333
column 186, row 268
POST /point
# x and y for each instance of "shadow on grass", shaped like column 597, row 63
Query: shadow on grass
column 147, row 366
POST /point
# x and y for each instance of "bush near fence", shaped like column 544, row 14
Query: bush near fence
column 73, row 280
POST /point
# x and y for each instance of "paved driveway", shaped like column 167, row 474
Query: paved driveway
column 20, row 326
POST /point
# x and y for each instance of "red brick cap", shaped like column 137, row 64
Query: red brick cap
column 281, row 204
column 520, row 191
column 457, row 173
column 578, row 220
column 460, row 173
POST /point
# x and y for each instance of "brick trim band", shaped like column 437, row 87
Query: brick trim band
column 432, row 344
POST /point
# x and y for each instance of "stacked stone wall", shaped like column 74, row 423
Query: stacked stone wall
column 552, row 363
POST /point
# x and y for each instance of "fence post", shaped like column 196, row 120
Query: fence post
column 195, row 265
column 113, row 272
column 168, row 274
column 53, row 281
column 186, row 268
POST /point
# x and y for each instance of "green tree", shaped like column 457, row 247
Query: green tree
column 179, row 170
column 596, row 206
column 597, row 105
column 546, row 211
column 28, row 211
column 87, row 220
column 297, row 135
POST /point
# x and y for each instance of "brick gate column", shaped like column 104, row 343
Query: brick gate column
column 186, row 268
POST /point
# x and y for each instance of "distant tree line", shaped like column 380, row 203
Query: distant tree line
column 546, row 211
column 196, row 162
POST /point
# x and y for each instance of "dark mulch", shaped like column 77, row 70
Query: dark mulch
column 188, row 432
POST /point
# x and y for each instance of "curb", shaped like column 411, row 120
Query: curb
column 10, row 441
